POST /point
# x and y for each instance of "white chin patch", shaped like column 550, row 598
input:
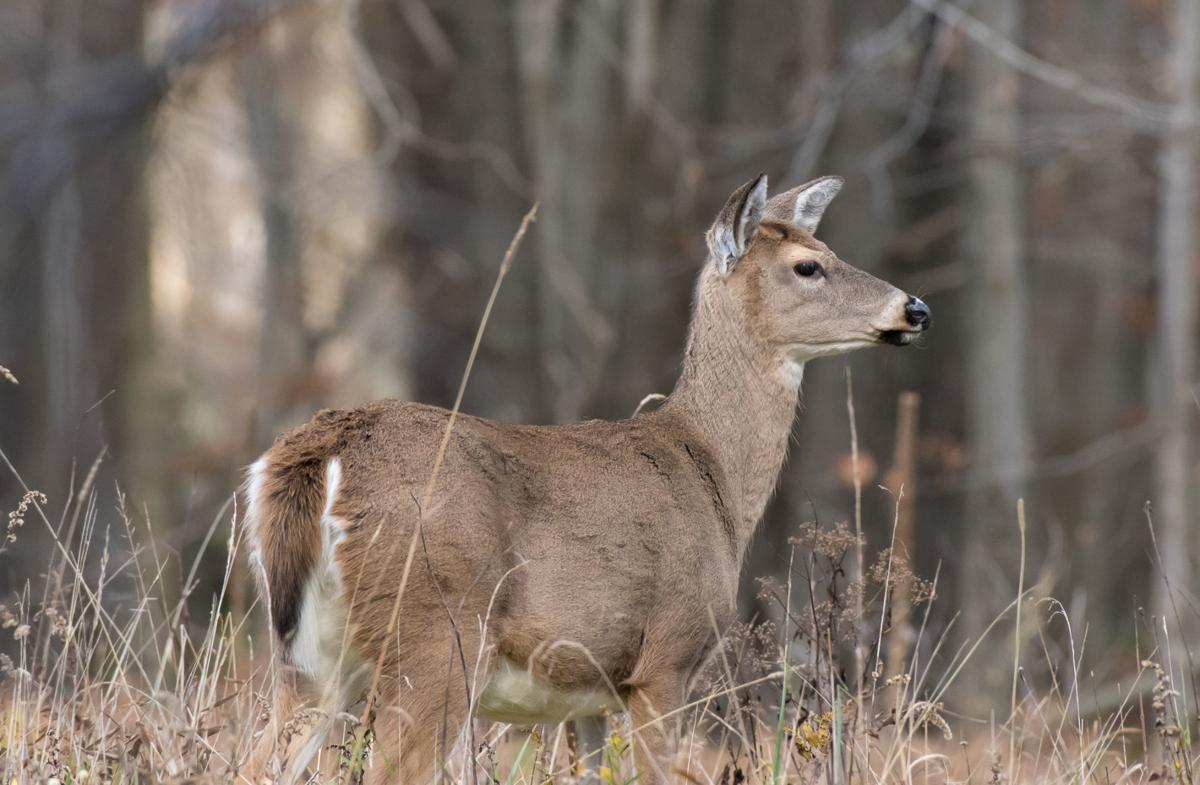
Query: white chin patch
column 802, row 354
column 792, row 372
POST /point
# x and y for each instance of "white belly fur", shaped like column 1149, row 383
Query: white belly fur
column 515, row 696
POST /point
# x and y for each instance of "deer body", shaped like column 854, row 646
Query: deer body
column 563, row 570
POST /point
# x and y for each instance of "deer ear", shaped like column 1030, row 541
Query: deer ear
column 804, row 205
column 737, row 223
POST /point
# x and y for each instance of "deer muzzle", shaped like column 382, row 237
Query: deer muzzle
column 917, row 317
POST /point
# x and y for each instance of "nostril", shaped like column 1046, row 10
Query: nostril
column 917, row 313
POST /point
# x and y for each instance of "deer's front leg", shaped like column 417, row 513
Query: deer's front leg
column 653, row 711
column 589, row 735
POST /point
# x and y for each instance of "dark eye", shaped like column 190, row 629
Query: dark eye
column 808, row 269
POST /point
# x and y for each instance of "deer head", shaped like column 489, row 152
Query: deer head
column 797, row 299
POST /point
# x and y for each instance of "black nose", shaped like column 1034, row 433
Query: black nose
column 917, row 314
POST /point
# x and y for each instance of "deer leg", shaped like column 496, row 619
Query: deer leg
column 588, row 737
column 418, row 723
column 394, row 742
column 410, row 747
column 280, row 738
column 655, row 728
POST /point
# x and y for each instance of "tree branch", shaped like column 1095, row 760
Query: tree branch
column 107, row 99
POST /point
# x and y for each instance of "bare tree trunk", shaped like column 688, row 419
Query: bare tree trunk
column 566, row 83
column 824, row 388
column 78, row 295
column 283, row 348
column 536, row 34
column 1090, row 381
column 1178, row 245
column 997, row 415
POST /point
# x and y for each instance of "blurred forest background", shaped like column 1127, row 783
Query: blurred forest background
column 217, row 216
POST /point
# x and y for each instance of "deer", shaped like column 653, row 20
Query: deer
column 560, row 571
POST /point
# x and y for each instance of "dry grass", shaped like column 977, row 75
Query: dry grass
column 110, row 682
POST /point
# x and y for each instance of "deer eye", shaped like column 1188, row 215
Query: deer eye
column 808, row 269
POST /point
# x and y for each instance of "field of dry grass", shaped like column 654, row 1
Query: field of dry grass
column 111, row 682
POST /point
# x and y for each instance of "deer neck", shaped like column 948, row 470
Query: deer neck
column 737, row 396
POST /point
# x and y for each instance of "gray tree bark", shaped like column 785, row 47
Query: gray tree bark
column 1178, row 245
column 74, row 278
column 566, row 85
column 284, row 349
column 997, row 413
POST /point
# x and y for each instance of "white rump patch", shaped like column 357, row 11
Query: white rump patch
column 319, row 647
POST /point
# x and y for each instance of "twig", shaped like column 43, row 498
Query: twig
column 1012, row 734
column 1145, row 112
column 117, row 94
column 649, row 399
column 858, row 550
column 920, row 112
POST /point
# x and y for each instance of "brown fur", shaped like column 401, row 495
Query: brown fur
column 292, row 495
column 596, row 553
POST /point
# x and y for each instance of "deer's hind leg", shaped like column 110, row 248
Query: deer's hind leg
column 421, row 716
column 653, row 708
column 283, row 740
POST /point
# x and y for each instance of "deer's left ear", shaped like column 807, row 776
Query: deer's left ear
column 805, row 204
column 737, row 223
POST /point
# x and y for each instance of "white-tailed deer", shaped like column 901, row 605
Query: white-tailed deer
column 562, row 570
